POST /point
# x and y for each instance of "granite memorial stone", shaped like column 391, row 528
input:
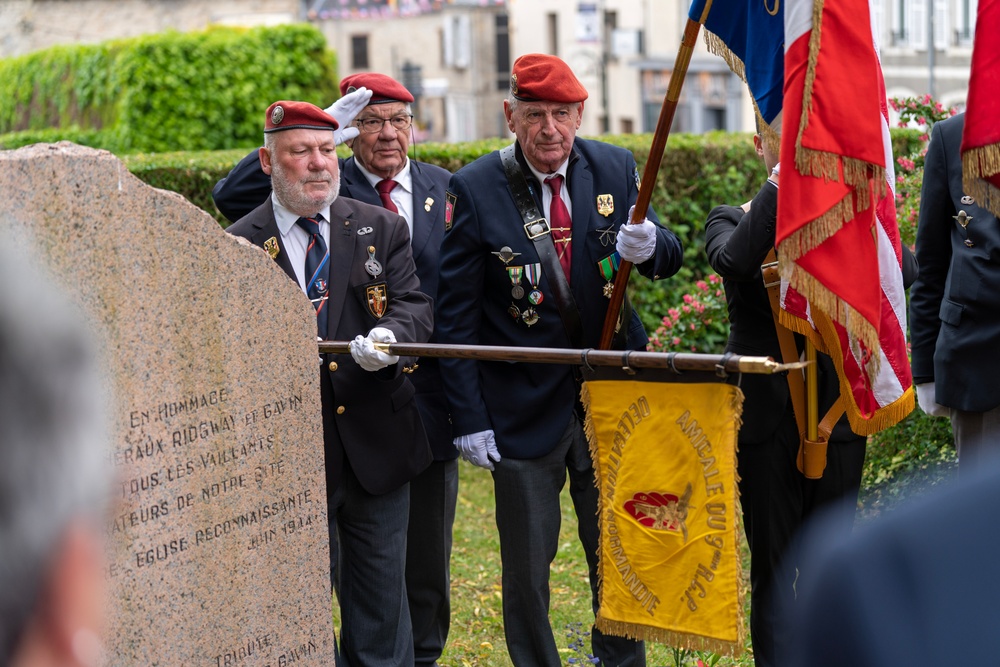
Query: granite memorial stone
column 218, row 549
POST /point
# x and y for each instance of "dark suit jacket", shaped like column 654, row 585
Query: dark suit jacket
column 371, row 418
column 247, row 185
column 529, row 405
column 955, row 303
column 737, row 243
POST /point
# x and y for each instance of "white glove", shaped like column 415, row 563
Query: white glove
column 928, row 401
column 479, row 448
column 636, row 243
column 364, row 353
column 344, row 110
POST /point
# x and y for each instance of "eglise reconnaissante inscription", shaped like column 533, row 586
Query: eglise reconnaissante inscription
column 218, row 538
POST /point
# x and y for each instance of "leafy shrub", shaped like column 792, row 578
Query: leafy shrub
column 924, row 112
column 699, row 324
column 905, row 460
column 170, row 91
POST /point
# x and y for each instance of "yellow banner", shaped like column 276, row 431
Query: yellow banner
column 665, row 457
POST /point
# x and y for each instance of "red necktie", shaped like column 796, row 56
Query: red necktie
column 384, row 187
column 560, row 224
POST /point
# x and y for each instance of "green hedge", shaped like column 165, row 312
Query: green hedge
column 697, row 173
column 171, row 91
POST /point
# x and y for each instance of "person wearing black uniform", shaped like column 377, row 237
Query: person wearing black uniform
column 776, row 497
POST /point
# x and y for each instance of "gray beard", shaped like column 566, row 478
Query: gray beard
column 293, row 198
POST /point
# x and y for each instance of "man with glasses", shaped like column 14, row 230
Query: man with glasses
column 509, row 279
column 379, row 173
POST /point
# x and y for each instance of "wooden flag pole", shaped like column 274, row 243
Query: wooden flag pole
column 626, row 359
column 649, row 173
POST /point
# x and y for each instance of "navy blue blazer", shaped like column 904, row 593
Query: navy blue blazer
column 955, row 302
column 247, row 185
column 529, row 405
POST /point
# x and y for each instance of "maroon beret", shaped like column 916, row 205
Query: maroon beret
column 538, row 77
column 285, row 115
column 384, row 88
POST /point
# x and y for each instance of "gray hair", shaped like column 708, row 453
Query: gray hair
column 51, row 440
column 511, row 99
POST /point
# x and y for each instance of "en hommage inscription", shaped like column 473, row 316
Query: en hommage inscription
column 218, row 551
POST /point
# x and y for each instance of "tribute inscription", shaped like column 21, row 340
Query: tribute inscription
column 218, row 551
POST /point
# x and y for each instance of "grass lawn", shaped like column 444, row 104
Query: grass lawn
column 901, row 463
column 477, row 638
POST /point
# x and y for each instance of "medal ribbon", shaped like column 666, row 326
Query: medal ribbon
column 515, row 274
column 609, row 265
column 533, row 272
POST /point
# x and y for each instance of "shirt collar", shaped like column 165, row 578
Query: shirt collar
column 541, row 177
column 404, row 178
column 286, row 219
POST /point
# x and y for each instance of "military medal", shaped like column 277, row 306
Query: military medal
column 967, row 200
column 515, row 279
column 372, row 265
column 533, row 272
column 605, row 205
column 963, row 219
column 427, row 204
column 607, row 267
column 271, row 246
column 530, row 316
column 514, row 312
column 505, row 254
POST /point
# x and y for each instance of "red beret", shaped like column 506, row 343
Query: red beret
column 537, row 77
column 384, row 88
column 285, row 115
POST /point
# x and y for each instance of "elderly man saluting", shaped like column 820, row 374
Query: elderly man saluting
column 509, row 279
column 353, row 260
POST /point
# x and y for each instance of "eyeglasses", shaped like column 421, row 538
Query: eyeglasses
column 372, row 125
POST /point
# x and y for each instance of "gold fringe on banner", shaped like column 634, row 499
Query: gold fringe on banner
column 884, row 417
column 824, row 303
column 859, row 174
column 979, row 164
column 718, row 47
column 810, row 236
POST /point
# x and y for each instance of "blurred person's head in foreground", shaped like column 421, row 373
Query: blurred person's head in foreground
column 53, row 477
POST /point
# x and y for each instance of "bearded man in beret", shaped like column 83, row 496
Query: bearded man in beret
column 353, row 260
column 508, row 281
column 375, row 121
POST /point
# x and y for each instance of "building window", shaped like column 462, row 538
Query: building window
column 965, row 22
column 553, row 23
column 359, row 52
column 627, row 126
column 503, row 51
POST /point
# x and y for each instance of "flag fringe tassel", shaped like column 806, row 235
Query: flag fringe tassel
column 884, row 416
column 854, row 172
column 978, row 165
column 812, row 235
column 673, row 638
column 824, row 302
column 718, row 47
